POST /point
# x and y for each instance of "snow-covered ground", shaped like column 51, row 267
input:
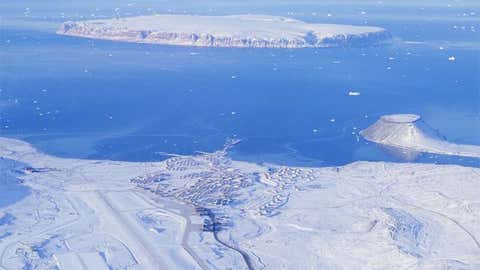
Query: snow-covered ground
column 259, row 31
column 410, row 134
column 210, row 212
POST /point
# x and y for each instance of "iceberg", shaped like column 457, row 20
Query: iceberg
column 246, row 31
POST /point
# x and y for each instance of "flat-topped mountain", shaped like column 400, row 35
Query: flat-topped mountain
column 256, row 31
column 410, row 132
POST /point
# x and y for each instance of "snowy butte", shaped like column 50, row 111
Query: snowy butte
column 255, row 31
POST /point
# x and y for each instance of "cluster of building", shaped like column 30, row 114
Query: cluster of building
column 181, row 163
column 206, row 180
column 282, row 181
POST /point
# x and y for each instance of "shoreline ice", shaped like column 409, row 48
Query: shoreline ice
column 244, row 31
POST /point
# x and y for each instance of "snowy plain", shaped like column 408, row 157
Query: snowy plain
column 210, row 212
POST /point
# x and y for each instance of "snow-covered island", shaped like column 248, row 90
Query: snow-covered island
column 207, row 211
column 255, row 31
column 410, row 134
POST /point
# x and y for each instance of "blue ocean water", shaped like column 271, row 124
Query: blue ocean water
column 84, row 98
